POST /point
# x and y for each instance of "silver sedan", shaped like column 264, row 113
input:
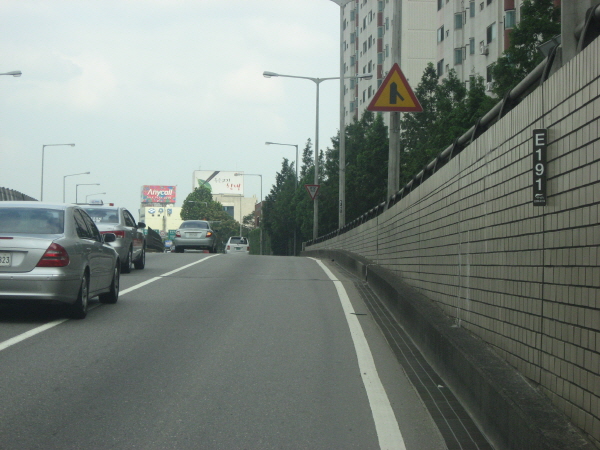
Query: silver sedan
column 130, row 243
column 195, row 235
column 55, row 254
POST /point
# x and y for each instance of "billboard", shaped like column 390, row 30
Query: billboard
column 158, row 194
column 220, row 182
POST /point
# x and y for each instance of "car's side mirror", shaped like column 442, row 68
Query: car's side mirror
column 109, row 237
column 141, row 225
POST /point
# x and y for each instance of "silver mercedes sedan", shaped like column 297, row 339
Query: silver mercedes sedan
column 54, row 254
column 195, row 235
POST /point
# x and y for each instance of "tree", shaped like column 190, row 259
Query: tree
column 540, row 21
column 199, row 205
column 279, row 210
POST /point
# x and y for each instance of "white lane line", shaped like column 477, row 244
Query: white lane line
column 21, row 337
column 386, row 425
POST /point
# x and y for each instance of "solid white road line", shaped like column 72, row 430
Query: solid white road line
column 21, row 337
column 386, row 425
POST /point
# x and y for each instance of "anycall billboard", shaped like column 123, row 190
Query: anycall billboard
column 158, row 194
column 220, row 182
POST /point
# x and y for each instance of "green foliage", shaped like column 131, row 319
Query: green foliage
column 279, row 212
column 199, row 205
column 540, row 21
column 449, row 110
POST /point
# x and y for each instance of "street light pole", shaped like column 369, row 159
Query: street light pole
column 261, row 206
column 97, row 193
column 72, row 175
column 14, row 73
column 82, row 184
column 317, row 82
column 42, row 179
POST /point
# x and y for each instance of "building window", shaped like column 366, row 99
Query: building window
column 510, row 19
column 352, row 38
column 440, row 34
column 440, row 4
column 458, row 21
column 489, row 2
column 472, row 8
column 379, row 32
column 491, row 33
column 380, row 58
column 440, row 68
column 387, row 23
column 458, row 56
column 488, row 73
column 471, row 46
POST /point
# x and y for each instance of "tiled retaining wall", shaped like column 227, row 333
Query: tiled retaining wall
column 523, row 278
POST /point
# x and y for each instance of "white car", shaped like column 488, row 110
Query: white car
column 238, row 245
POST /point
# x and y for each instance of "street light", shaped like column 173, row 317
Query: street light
column 42, row 180
column 317, row 82
column 261, row 207
column 72, row 175
column 291, row 145
column 14, row 73
column 97, row 193
column 83, row 184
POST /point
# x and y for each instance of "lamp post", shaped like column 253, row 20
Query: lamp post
column 317, row 82
column 14, row 73
column 97, row 193
column 291, row 145
column 83, row 184
column 342, row 143
column 72, row 175
column 42, row 180
column 261, row 206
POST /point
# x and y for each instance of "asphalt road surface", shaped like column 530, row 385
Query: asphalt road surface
column 210, row 352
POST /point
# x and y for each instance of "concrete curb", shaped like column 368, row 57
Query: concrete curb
column 506, row 407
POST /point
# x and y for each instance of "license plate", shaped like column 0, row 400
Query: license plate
column 193, row 234
column 5, row 259
column 238, row 248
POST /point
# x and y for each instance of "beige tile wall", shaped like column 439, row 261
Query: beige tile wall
column 525, row 279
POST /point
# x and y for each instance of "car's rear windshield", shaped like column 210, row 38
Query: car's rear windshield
column 195, row 225
column 237, row 240
column 32, row 220
column 103, row 215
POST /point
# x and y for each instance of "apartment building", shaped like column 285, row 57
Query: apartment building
column 370, row 30
column 472, row 35
column 465, row 35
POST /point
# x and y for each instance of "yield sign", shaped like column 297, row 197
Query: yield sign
column 312, row 189
column 395, row 94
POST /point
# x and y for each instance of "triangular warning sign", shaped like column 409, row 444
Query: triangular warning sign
column 395, row 94
column 313, row 190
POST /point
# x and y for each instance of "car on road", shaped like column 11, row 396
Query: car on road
column 130, row 243
column 54, row 254
column 237, row 245
column 195, row 235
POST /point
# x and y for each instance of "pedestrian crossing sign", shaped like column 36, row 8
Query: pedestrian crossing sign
column 395, row 94
column 313, row 190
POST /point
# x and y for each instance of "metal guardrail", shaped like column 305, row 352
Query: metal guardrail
column 586, row 33
column 10, row 194
column 154, row 242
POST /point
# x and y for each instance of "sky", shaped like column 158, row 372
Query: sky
column 151, row 90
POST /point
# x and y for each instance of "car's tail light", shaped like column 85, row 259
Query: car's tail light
column 248, row 248
column 119, row 233
column 209, row 233
column 178, row 233
column 228, row 247
column 55, row 256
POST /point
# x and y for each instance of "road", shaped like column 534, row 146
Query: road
column 210, row 352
